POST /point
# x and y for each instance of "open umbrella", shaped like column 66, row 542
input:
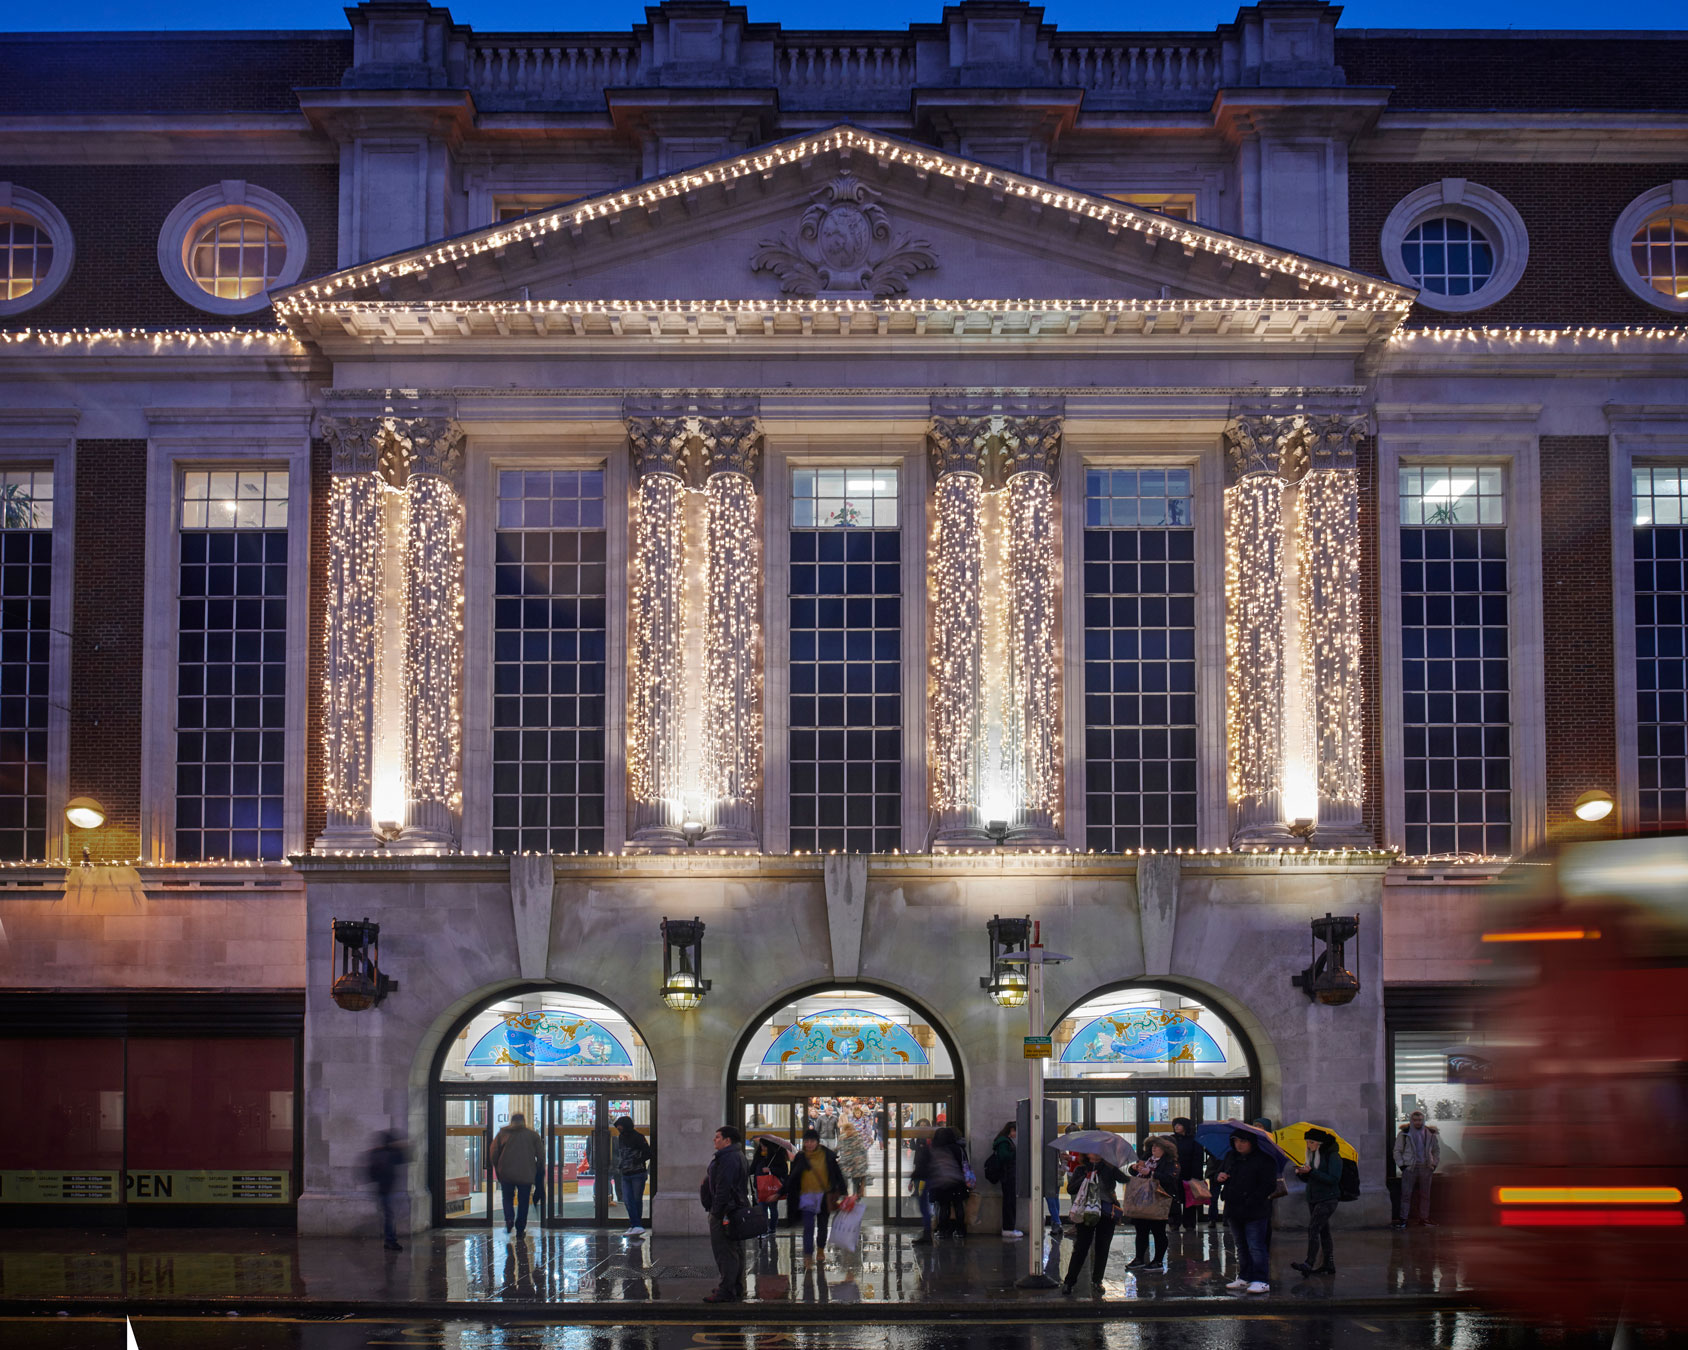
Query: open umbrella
column 789, row 1147
column 1103, row 1143
column 1293, row 1140
column 1215, row 1137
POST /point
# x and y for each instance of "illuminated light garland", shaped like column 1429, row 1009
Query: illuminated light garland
column 1034, row 665
column 433, row 649
column 1540, row 336
column 1114, row 216
column 807, row 305
column 1254, row 658
column 732, row 642
column 356, row 555
column 1329, row 574
column 656, row 731
column 188, row 337
column 957, row 565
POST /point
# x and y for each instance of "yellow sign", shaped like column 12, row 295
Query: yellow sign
column 208, row 1188
column 58, row 1188
column 1038, row 1047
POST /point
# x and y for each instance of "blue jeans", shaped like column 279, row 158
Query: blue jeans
column 925, row 1209
column 814, row 1223
column 1254, row 1247
column 1054, row 1206
column 633, row 1196
column 516, row 1203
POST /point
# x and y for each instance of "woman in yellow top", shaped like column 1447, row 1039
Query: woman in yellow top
column 815, row 1185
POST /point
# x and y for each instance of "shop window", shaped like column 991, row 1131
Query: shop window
column 1661, row 645
column 1145, row 1033
column 65, row 1117
column 549, row 1034
column 845, row 1034
column 210, row 1105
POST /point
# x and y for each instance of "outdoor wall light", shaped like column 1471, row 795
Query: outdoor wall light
column 1595, row 804
column 1007, row 984
column 691, row 830
column 998, row 831
column 1328, row 980
column 85, row 813
column 683, row 985
column 360, row 985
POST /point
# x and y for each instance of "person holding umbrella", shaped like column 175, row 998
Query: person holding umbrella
column 772, row 1160
column 1323, row 1174
column 1099, row 1170
column 1248, row 1174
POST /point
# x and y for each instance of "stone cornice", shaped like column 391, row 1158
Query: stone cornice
column 1411, row 135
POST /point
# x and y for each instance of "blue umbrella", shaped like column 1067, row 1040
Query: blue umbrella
column 1215, row 1137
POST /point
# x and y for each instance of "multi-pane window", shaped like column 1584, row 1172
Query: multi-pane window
column 231, row 671
column 1455, row 669
column 26, row 579
column 1448, row 256
column 1139, row 659
column 1660, row 254
column 548, row 662
column 1661, row 646
column 846, row 661
column 237, row 256
column 26, row 256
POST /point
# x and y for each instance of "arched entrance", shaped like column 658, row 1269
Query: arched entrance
column 1133, row 1058
column 857, row 1057
column 571, row 1065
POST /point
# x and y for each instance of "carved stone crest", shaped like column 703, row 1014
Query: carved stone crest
column 844, row 247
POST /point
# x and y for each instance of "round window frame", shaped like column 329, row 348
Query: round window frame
column 220, row 201
column 1475, row 205
column 1665, row 200
column 21, row 201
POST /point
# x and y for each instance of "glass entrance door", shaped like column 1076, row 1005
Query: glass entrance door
column 467, row 1140
column 575, row 1159
column 908, row 1123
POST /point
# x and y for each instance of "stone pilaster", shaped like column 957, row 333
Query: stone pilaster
column 1030, row 446
column 355, row 583
column 958, row 443
column 433, row 652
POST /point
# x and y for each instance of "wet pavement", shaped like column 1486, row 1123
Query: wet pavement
column 488, row 1274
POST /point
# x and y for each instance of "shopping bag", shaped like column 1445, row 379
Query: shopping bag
column 847, row 1227
column 773, row 1288
column 1145, row 1200
column 768, row 1188
column 1087, row 1202
column 973, row 1203
column 1196, row 1193
column 751, row 1222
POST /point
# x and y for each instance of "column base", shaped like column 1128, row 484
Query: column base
column 1034, row 829
column 657, row 839
column 1264, row 836
column 960, row 831
column 347, row 839
column 422, row 841
column 1343, row 835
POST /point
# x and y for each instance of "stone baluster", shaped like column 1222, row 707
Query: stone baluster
column 352, row 623
column 433, row 650
column 958, row 445
column 1031, row 444
column 732, row 650
column 656, row 741
column 1329, row 549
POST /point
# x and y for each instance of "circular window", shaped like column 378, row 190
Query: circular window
column 225, row 247
column 1650, row 247
column 1460, row 244
column 35, row 249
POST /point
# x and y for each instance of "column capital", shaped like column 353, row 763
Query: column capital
column 1330, row 441
column 433, row 446
column 1292, row 442
column 959, row 436
column 355, row 444
column 1030, row 444
column 1255, row 445
column 728, row 444
column 659, row 445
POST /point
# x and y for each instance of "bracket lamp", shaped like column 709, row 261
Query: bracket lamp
column 1328, row 980
column 85, row 813
column 683, row 985
column 1595, row 804
column 998, row 831
column 360, row 985
column 1007, row 984
column 691, row 830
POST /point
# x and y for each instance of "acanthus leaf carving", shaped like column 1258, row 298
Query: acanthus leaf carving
column 844, row 246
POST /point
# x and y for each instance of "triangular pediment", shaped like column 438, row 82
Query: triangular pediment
column 846, row 216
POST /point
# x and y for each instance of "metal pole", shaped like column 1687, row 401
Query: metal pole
column 1035, row 1277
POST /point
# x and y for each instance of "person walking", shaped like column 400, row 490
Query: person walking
column 385, row 1168
column 633, row 1166
column 815, row 1183
column 516, row 1158
column 1093, row 1239
column 852, row 1157
column 947, row 1182
column 1003, row 1168
column 1192, row 1159
column 1418, row 1153
column 920, row 1182
column 1323, row 1175
column 723, row 1195
column 1247, row 1178
column 769, row 1160
column 1159, row 1162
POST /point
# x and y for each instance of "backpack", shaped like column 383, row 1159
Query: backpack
column 993, row 1167
column 1349, row 1187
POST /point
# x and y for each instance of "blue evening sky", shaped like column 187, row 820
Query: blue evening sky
column 617, row 15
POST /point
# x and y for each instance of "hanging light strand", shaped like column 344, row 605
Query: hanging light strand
column 1033, row 657
column 732, row 640
column 656, row 649
column 433, row 649
column 1329, row 568
column 958, row 565
column 351, row 630
column 1254, row 659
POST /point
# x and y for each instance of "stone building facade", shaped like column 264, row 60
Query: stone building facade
column 840, row 487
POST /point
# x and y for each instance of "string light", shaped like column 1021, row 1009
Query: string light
column 1538, row 336
column 732, row 641
column 1033, row 656
column 656, row 740
column 355, row 575
column 1254, row 659
column 433, row 649
column 1329, row 573
column 223, row 338
column 957, row 568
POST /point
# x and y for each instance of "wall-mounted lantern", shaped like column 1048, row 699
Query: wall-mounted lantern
column 85, row 814
column 1007, row 983
column 360, row 985
column 1328, row 980
column 683, row 985
column 1595, row 804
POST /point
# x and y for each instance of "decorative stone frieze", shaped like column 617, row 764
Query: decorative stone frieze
column 844, row 246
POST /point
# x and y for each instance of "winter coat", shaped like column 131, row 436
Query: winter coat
column 1107, row 1175
column 1404, row 1147
column 1192, row 1157
column 1166, row 1168
column 1324, row 1182
column 948, row 1161
column 1005, row 1148
column 1252, row 1178
column 920, row 1167
column 770, row 1160
column 724, row 1185
column 852, row 1155
column 385, row 1163
column 821, row 1157
column 516, row 1155
column 632, row 1151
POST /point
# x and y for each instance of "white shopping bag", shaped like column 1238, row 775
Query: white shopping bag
column 847, row 1227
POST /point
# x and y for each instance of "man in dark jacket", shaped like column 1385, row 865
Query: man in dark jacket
column 1247, row 1178
column 633, row 1167
column 385, row 1167
column 723, row 1195
column 1323, row 1174
column 1192, row 1158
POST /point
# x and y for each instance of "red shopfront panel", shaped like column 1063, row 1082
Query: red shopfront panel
column 219, row 1105
column 65, row 1104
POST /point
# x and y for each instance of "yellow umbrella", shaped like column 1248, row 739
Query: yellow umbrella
column 1293, row 1140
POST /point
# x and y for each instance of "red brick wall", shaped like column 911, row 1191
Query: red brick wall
column 316, row 811
column 1569, row 211
column 1371, row 682
column 115, row 213
column 1579, row 679
column 106, row 623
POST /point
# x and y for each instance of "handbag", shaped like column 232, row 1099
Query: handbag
column 1087, row 1202
column 974, row 1202
column 1279, row 1191
column 1145, row 1200
column 750, row 1222
column 1197, row 1192
column 768, row 1188
column 847, row 1227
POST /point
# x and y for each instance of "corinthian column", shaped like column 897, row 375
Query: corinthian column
column 1254, row 629
column 656, row 741
column 732, row 639
column 433, row 649
column 1032, row 746
column 1329, row 575
column 352, row 673
column 958, row 446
